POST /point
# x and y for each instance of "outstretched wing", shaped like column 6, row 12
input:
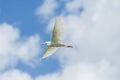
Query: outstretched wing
column 57, row 35
column 49, row 51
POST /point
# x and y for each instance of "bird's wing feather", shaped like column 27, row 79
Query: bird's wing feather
column 49, row 51
column 57, row 35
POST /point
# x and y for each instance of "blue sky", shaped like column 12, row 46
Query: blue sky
column 21, row 14
column 91, row 26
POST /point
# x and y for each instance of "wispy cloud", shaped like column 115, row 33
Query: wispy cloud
column 85, row 71
column 74, row 6
column 94, row 32
column 15, row 75
column 47, row 9
column 95, row 37
column 14, row 48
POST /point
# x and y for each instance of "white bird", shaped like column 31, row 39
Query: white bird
column 56, row 41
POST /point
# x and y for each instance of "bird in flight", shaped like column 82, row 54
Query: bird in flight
column 56, row 41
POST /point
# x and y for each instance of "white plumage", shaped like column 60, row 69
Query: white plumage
column 56, row 40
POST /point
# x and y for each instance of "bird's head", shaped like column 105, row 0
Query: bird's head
column 47, row 43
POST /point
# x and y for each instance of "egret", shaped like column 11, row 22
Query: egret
column 56, row 41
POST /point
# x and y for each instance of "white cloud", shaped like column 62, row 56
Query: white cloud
column 14, row 48
column 15, row 75
column 95, row 35
column 50, row 77
column 47, row 8
column 85, row 71
column 29, row 48
column 73, row 6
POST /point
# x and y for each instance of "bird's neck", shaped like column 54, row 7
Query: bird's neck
column 48, row 43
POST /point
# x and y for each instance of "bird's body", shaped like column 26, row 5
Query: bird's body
column 56, row 40
column 52, row 44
